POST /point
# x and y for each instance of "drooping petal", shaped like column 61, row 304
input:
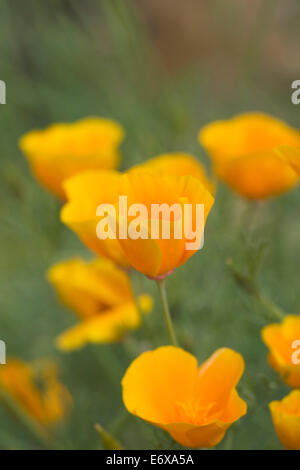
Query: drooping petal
column 108, row 327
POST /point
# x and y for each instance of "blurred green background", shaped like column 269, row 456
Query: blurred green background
column 162, row 69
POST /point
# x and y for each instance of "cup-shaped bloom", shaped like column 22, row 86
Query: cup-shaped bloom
column 158, row 227
column 62, row 150
column 178, row 164
column 286, row 420
column 100, row 295
column 195, row 405
column 46, row 404
column 283, row 341
column 244, row 154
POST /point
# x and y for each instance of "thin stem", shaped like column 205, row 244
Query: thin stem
column 273, row 309
column 252, row 289
column 163, row 296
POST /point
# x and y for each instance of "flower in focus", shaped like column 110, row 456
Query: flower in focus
column 283, row 341
column 195, row 405
column 62, row 150
column 178, row 164
column 154, row 257
column 286, row 420
column 46, row 403
column 99, row 293
column 244, row 154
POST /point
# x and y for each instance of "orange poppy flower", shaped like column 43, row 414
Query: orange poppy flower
column 286, row 420
column 100, row 294
column 45, row 405
column 178, row 164
column 62, row 150
column 153, row 256
column 283, row 341
column 244, row 154
column 195, row 405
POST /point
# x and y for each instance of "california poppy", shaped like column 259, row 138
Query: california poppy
column 153, row 256
column 46, row 405
column 100, row 295
column 286, row 420
column 195, row 405
column 62, row 150
column 244, row 154
column 283, row 341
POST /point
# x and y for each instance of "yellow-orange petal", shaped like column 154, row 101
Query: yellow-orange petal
column 37, row 391
column 107, row 327
column 291, row 155
column 280, row 339
column 245, row 134
column 154, row 378
column 286, row 419
column 85, row 192
column 163, row 387
column 158, row 256
column 258, row 176
column 177, row 164
column 244, row 151
column 190, row 435
column 87, row 287
column 219, row 375
column 63, row 150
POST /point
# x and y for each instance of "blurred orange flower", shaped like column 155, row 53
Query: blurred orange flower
column 62, row 150
column 291, row 156
column 153, row 257
column 244, row 154
column 195, row 405
column 100, row 294
column 283, row 340
column 45, row 405
column 286, row 420
column 178, row 164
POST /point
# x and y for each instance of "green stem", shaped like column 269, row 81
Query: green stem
column 163, row 296
column 275, row 311
column 252, row 289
